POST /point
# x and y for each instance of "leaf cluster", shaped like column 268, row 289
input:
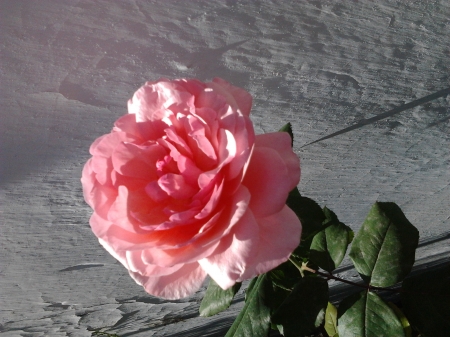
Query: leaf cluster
column 294, row 297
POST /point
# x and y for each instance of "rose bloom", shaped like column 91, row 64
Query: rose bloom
column 182, row 188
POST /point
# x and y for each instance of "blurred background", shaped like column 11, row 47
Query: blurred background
column 68, row 68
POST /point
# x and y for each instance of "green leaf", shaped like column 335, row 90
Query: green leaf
column 366, row 315
column 426, row 302
column 285, row 276
column 304, row 309
column 216, row 299
column 329, row 246
column 383, row 250
column 288, row 128
column 250, row 287
column 275, row 292
column 331, row 320
column 403, row 320
column 308, row 211
column 254, row 318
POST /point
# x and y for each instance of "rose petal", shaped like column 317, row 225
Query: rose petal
column 155, row 192
column 199, row 131
column 212, row 203
column 242, row 98
column 229, row 262
column 178, row 142
column 171, row 257
column 127, row 124
column 99, row 197
column 233, row 209
column 268, row 182
column 135, row 212
column 279, row 235
column 104, row 146
column 281, row 142
column 136, row 161
column 175, row 186
column 152, row 101
column 136, row 264
column 183, row 282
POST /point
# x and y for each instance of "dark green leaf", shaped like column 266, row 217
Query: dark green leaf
column 383, row 250
column 329, row 246
column 216, row 299
column 254, row 318
column 285, row 276
column 288, row 128
column 331, row 320
column 308, row 211
column 250, row 287
column 275, row 292
column 426, row 302
column 304, row 309
column 403, row 320
column 366, row 315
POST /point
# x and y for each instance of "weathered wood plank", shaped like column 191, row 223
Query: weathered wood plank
column 68, row 68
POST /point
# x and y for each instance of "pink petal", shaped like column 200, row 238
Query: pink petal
column 128, row 125
column 210, row 119
column 192, row 85
column 137, row 161
column 155, row 192
column 104, row 146
column 102, row 198
column 174, row 282
column 188, row 169
column 178, row 142
column 242, row 98
column 171, row 257
column 242, row 130
column 136, row 264
column 185, row 164
column 206, row 152
column 119, row 239
column 152, row 101
column 198, row 139
column 227, row 147
column 209, row 98
column 99, row 197
column 195, row 126
column 151, row 130
column 182, row 283
column 133, row 209
column 176, row 187
column 229, row 262
column 102, row 166
column 99, row 225
column 279, row 235
column 231, row 211
column 119, row 256
column 268, row 181
column 281, row 142
column 212, row 202
column 88, row 181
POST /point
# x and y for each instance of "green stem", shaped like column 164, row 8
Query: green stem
column 303, row 266
column 366, row 286
column 296, row 263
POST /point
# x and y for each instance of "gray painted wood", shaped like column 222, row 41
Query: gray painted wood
column 68, row 68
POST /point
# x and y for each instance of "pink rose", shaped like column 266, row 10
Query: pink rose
column 182, row 188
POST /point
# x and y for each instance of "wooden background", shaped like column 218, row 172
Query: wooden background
column 68, row 68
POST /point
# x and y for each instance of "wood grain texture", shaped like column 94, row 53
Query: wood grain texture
column 68, row 68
